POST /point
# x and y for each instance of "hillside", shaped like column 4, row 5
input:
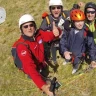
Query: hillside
column 12, row 81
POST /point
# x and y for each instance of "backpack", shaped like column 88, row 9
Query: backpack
column 16, row 58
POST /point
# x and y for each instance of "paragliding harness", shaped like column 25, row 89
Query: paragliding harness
column 45, row 15
column 16, row 59
column 41, row 68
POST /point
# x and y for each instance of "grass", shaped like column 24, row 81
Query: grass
column 14, row 82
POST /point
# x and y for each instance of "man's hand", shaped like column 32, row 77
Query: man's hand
column 55, row 30
column 93, row 64
column 45, row 88
column 81, row 4
column 67, row 55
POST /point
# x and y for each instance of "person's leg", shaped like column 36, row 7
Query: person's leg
column 76, row 63
column 47, row 51
column 66, row 61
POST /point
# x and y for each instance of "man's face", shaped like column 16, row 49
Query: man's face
column 56, row 11
column 79, row 24
column 28, row 29
column 90, row 14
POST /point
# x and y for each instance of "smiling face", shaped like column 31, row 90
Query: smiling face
column 79, row 24
column 28, row 29
column 90, row 14
column 56, row 11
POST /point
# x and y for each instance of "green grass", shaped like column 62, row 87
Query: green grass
column 14, row 82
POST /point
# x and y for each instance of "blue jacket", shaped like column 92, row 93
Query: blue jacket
column 78, row 42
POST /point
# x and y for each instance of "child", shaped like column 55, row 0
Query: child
column 72, row 43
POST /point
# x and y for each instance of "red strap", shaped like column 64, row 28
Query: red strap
column 72, row 60
column 86, row 30
column 44, row 15
column 95, row 25
column 83, row 54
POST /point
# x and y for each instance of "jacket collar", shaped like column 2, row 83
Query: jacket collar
column 28, row 38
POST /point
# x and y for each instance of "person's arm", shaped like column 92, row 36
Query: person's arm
column 81, row 4
column 50, row 35
column 91, row 46
column 63, row 43
column 29, row 67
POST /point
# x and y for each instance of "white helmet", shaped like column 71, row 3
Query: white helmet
column 25, row 18
column 55, row 2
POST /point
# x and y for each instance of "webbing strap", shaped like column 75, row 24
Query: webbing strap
column 48, row 21
column 64, row 15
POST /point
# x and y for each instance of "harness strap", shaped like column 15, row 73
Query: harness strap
column 64, row 15
column 48, row 21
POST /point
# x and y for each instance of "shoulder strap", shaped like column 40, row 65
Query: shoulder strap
column 63, row 14
column 45, row 15
column 47, row 19
column 85, row 32
column 22, row 43
column 95, row 25
column 16, row 59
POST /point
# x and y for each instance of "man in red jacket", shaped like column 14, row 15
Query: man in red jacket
column 29, row 50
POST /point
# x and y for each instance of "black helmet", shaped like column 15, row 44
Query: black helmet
column 90, row 5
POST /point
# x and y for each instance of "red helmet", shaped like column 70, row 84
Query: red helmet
column 77, row 15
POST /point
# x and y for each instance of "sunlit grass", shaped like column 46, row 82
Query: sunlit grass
column 14, row 82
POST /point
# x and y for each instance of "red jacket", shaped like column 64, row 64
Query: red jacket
column 36, row 46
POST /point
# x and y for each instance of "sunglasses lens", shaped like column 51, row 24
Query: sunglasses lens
column 59, row 7
column 92, row 12
column 53, row 7
column 31, row 25
column 26, row 26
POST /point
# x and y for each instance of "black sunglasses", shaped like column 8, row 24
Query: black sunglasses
column 30, row 25
column 54, row 7
column 92, row 12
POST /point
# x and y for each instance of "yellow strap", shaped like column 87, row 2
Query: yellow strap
column 64, row 15
column 47, row 20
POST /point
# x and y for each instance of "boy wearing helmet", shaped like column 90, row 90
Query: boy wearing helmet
column 28, row 51
column 90, row 13
column 59, row 16
column 72, row 43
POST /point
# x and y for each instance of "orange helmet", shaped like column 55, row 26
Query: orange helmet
column 77, row 15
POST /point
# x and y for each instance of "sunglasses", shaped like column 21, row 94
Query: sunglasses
column 92, row 12
column 57, row 7
column 30, row 25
